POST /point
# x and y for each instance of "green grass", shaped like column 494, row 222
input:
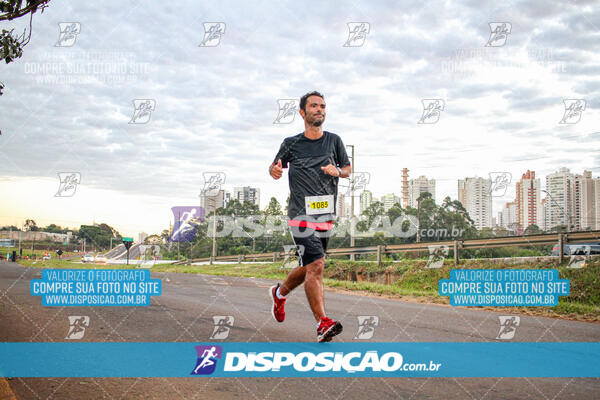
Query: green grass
column 409, row 280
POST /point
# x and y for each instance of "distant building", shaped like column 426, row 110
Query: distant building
column 340, row 207
column 529, row 200
column 389, row 200
column 560, row 204
column 142, row 236
column 508, row 216
column 418, row 186
column 247, row 193
column 211, row 203
column 404, row 187
column 366, row 198
column 475, row 196
column 585, row 201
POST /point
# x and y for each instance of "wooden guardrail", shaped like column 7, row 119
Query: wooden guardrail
column 455, row 245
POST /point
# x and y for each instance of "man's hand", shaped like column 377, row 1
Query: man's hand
column 331, row 170
column 276, row 170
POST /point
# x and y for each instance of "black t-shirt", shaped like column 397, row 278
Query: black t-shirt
column 305, row 157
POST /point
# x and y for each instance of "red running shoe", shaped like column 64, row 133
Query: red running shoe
column 277, row 310
column 328, row 329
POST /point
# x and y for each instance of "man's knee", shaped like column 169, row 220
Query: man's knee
column 316, row 267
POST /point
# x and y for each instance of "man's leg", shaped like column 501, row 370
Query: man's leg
column 293, row 280
column 313, row 286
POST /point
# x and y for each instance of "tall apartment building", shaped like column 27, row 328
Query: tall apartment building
column 389, row 200
column 366, row 198
column 585, row 201
column 404, row 187
column 560, row 201
column 474, row 194
column 418, row 186
column 247, row 193
column 340, row 207
column 508, row 216
column 528, row 199
column 211, row 203
column 544, row 204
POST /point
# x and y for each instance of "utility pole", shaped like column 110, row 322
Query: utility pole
column 352, row 201
column 419, row 219
column 214, row 244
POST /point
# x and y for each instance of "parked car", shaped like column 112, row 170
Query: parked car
column 578, row 249
column 87, row 258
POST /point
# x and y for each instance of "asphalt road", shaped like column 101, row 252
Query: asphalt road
column 184, row 313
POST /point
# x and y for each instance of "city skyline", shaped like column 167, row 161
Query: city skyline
column 507, row 215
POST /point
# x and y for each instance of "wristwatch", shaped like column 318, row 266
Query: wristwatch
column 339, row 171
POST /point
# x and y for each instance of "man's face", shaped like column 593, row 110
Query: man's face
column 315, row 111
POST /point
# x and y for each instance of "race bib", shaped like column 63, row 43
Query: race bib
column 319, row 204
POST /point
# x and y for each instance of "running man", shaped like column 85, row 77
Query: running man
column 316, row 160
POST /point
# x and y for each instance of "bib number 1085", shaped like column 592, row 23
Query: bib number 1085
column 319, row 204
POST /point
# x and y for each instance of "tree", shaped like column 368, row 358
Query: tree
column 9, row 228
column 274, row 208
column 153, row 239
column 532, row 229
column 11, row 44
column 99, row 235
column 31, row 226
column 53, row 228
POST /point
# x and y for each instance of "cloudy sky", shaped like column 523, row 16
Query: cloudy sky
column 68, row 102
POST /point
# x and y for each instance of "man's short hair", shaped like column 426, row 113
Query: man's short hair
column 304, row 98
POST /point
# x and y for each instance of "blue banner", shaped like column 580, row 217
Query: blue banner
column 504, row 287
column 98, row 287
column 298, row 359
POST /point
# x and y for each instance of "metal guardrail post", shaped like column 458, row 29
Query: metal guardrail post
column 455, row 252
column 379, row 251
column 240, row 259
column 274, row 256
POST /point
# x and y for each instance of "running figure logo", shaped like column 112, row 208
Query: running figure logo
column 187, row 219
column 68, row 184
column 500, row 182
column 77, row 325
column 68, row 33
column 578, row 256
column 437, row 255
column 499, row 32
column 360, row 182
column 366, row 326
column 573, row 110
column 223, row 323
column 288, row 108
column 212, row 34
column 207, row 359
column 142, row 110
column 213, row 181
column 432, row 109
column 508, row 327
column 148, row 260
column 357, row 33
column 293, row 255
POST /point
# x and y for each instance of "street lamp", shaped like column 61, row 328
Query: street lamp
column 351, row 201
